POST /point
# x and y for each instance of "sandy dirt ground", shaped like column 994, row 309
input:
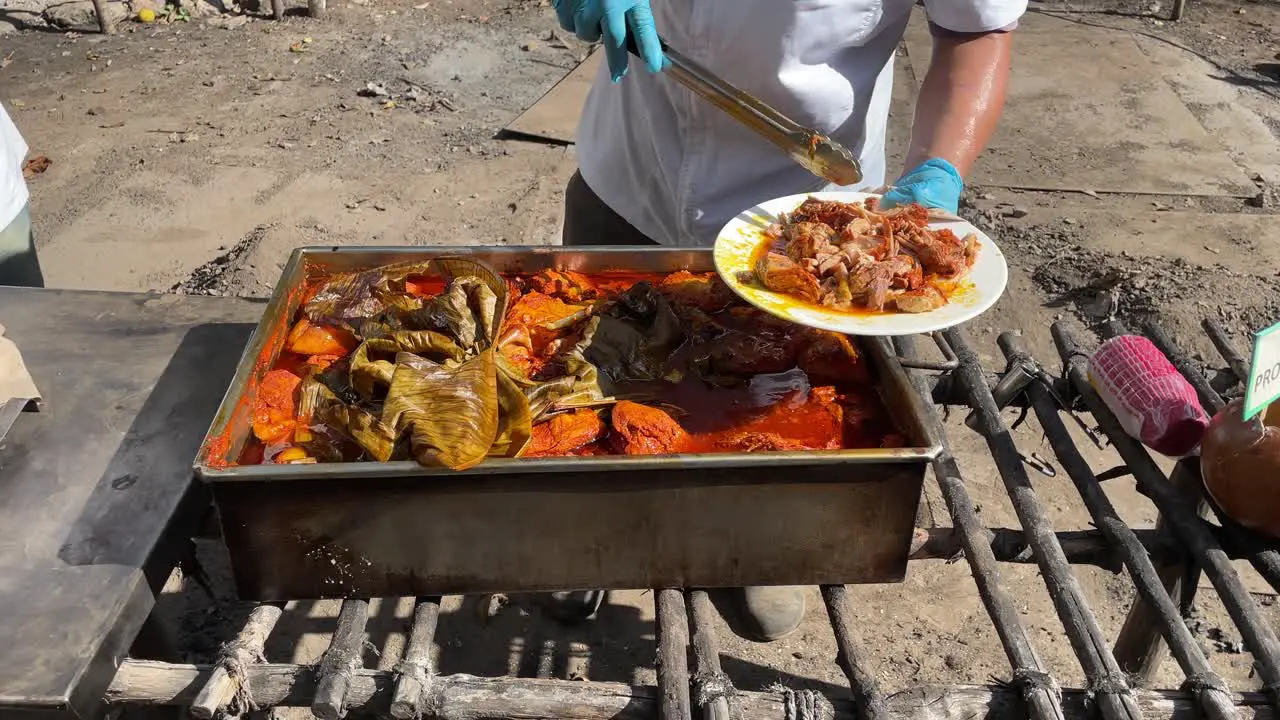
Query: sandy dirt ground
column 194, row 156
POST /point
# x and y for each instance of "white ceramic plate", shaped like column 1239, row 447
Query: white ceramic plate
column 738, row 241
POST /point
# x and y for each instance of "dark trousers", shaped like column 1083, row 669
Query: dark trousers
column 588, row 221
column 19, row 265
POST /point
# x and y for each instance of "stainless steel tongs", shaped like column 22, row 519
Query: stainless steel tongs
column 811, row 149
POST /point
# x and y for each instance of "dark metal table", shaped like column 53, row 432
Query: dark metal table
column 96, row 492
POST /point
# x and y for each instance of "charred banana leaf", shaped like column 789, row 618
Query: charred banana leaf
column 633, row 339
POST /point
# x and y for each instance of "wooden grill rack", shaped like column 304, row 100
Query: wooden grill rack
column 1164, row 565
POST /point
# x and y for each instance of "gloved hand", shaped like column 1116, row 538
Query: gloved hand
column 934, row 183
column 589, row 18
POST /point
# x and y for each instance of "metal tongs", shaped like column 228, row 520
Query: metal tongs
column 811, row 149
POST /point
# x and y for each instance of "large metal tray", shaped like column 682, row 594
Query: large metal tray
column 512, row 525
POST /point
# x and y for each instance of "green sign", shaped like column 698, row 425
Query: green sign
column 1264, row 374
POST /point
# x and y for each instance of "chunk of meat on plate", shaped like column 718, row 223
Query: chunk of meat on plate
column 781, row 274
column 922, row 300
column 564, row 433
column 873, row 281
column 941, row 252
column 564, row 284
column 644, row 430
column 805, row 239
column 307, row 338
column 907, row 216
column 275, row 406
column 832, row 213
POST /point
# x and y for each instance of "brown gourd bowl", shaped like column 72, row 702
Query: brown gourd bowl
column 1240, row 462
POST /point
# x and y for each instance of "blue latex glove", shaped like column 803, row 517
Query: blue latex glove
column 608, row 21
column 935, row 183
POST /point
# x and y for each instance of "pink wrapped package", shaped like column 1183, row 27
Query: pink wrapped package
column 1152, row 400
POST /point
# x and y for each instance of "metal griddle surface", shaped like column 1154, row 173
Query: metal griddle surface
column 89, row 485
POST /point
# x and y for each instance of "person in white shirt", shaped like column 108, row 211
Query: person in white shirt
column 659, row 165
column 18, row 262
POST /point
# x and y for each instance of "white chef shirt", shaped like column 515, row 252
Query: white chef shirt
column 677, row 168
column 13, row 189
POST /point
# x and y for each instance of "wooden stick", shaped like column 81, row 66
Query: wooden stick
column 673, row 655
column 1164, row 615
column 1082, row 547
column 341, row 660
column 713, row 688
column 1042, row 699
column 867, row 697
column 1140, row 647
column 243, row 651
column 104, row 23
column 413, row 676
column 143, row 682
column 1115, row 697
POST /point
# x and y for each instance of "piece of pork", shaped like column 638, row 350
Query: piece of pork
column 804, row 239
column 644, row 430
column 920, row 300
column 564, row 433
column 782, row 275
column 941, row 252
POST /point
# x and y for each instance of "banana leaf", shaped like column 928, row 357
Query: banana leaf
column 337, row 378
column 634, row 339
column 466, row 311
column 427, row 344
column 580, row 384
column 450, row 414
column 318, row 404
column 371, row 371
column 515, row 423
column 431, row 365
column 471, row 308
column 362, row 426
column 381, row 295
column 361, row 295
column 457, row 268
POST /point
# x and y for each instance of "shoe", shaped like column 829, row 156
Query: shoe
column 761, row 614
column 571, row 606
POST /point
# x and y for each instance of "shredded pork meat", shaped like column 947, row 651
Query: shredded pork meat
column 851, row 256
